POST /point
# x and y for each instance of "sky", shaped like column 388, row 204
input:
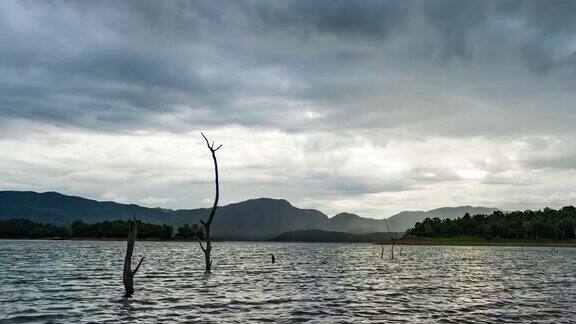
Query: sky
column 369, row 107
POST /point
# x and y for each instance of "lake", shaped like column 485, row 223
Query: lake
column 81, row 281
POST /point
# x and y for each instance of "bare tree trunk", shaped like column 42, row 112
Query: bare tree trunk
column 128, row 275
column 273, row 258
column 393, row 239
column 208, row 248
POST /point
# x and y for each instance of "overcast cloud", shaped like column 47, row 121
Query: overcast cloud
column 371, row 107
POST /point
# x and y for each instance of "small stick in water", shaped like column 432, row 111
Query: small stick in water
column 273, row 258
column 393, row 239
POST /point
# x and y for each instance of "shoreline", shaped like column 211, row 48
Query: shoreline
column 425, row 241
column 472, row 241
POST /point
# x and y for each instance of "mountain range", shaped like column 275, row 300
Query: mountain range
column 254, row 219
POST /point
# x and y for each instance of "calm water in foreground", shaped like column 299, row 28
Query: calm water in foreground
column 70, row 281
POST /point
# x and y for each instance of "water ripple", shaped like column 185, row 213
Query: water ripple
column 79, row 282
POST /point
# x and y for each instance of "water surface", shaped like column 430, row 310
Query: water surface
column 78, row 281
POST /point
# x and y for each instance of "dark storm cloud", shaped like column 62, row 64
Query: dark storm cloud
column 371, row 19
column 294, row 65
column 454, row 22
column 551, row 45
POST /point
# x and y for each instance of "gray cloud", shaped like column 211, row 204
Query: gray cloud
column 563, row 162
column 365, row 19
column 119, row 65
column 455, row 22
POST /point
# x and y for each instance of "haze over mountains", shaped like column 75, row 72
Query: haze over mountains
column 253, row 219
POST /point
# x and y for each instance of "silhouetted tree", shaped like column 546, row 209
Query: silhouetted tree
column 208, row 248
column 128, row 275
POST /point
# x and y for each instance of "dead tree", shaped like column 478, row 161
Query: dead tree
column 273, row 258
column 128, row 276
column 392, row 239
column 382, row 253
column 208, row 248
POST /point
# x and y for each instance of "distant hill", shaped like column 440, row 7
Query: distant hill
column 355, row 224
column 255, row 219
column 56, row 208
column 330, row 236
column 261, row 218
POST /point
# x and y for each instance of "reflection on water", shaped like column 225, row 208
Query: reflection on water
column 67, row 281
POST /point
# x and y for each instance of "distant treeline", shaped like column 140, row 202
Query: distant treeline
column 540, row 224
column 23, row 228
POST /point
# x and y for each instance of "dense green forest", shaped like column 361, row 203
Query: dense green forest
column 540, row 224
column 23, row 228
column 119, row 229
column 189, row 232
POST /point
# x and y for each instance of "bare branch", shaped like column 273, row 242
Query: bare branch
column 393, row 239
column 138, row 266
column 201, row 246
column 387, row 228
column 207, row 142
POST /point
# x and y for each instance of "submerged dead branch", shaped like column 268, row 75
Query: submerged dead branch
column 128, row 274
column 392, row 239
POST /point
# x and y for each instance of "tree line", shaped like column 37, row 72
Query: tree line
column 547, row 223
column 24, row 228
